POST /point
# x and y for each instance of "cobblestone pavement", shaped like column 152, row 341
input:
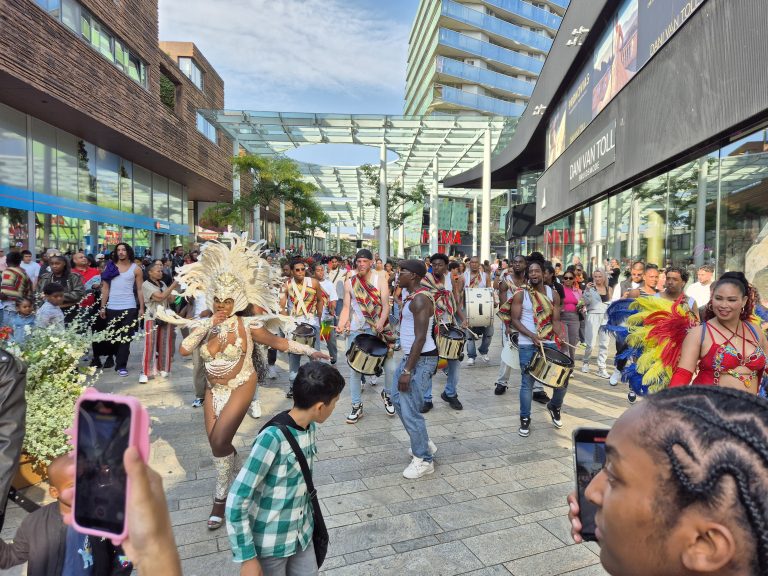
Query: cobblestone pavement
column 495, row 504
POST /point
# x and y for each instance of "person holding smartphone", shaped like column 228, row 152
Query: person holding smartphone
column 683, row 487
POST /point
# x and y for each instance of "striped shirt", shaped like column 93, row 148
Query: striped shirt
column 269, row 512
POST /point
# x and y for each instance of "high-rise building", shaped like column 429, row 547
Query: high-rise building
column 478, row 55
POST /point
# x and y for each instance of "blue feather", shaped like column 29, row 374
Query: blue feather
column 631, row 376
column 619, row 311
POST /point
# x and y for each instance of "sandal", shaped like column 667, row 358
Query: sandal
column 216, row 522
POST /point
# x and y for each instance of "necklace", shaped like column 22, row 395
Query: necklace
column 229, row 326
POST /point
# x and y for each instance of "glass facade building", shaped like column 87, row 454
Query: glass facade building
column 60, row 191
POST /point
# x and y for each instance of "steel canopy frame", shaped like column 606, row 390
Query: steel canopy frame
column 456, row 140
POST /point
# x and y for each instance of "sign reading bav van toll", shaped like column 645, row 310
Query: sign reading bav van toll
column 597, row 155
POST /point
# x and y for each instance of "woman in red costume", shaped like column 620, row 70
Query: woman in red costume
column 727, row 350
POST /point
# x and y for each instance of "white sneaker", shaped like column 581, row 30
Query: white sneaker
column 272, row 373
column 432, row 449
column 254, row 411
column 615, row 377
column 585, row 368
column 163, row 374
column 418, row 468
column 373, row 380
column 143, row 379
column 486, row 358
column 603, row 374
column 470, row 362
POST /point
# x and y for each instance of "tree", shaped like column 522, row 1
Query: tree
column 400, row 204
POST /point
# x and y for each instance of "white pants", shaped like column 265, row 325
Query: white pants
column 593, row 333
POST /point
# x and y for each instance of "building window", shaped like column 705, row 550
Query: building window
column 167, row 91
column 206, row 128
column 89, row 28
column 192, row 71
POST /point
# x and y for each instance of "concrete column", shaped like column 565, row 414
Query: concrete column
column 360, row 218
column 485, row 225
column 401, row 236
column 474, row 224
column 509, row 208
column 433, row 213
column 282, row 226
column 235, row 172
column 383, row 204
column 634, row 234
column 338, row 236
column 699, row 248
column 256, row 223
column 595, row 249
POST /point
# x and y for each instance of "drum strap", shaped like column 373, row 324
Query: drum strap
column 369, row 299
column 299, row 296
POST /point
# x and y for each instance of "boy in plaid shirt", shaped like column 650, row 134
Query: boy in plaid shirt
column 269, row 511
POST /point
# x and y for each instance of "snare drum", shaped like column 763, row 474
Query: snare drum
column 510, row 355
column 552, row 369
column 366, row 354
column 479, row 306
column 450, row 342
column 304, row 334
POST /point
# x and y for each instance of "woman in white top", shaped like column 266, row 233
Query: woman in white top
column 597, row 297
column 159, row 342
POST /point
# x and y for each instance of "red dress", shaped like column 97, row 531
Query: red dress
column 725, row 358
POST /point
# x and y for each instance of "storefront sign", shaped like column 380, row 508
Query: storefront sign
column 162, row 225
column 596, row 156
column 443, row 237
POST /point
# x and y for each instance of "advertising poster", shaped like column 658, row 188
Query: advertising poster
column 579, row 106
column 602, row 68
column 624, row 46
column 556, row 135
column 659, row 20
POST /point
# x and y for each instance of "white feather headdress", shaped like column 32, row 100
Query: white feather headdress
column 236, row 271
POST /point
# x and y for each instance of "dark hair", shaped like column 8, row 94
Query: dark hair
column 53, row 288
column 684, row 274
column 296, row 261
column 128, row 250
column 65, row 273
column 24, row 299
column 636, row 262
column 439, row 256
column 91, row 260
column 651, row 267
column 740, row 281
column 707, row 268
column 547, row 267
column 571, row 269
column 453, row 265
column 13, row 259
column 536, row 257
column 536, row 263
column 25, row 252
column 705, row 434
column 316, row 382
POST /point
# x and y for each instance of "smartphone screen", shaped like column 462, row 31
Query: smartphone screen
column 103, row 433
column 589, row 448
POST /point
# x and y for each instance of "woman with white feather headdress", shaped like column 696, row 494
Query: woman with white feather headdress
column 234, row 280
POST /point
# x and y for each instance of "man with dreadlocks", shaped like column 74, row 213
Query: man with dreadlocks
column 683, row 488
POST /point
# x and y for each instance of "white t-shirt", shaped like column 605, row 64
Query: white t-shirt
column 330, row 290
column 32, row 269
column 483, row 279
column 337, row 277
column 699, row 292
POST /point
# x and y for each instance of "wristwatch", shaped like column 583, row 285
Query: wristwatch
column 406, row 371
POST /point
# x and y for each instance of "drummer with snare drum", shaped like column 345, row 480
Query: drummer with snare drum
column 535, row 314
column 303, row 300
column 475, row 277
column 448, row 313
column 366, row 311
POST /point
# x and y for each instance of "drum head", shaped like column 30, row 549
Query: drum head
column 371, row 344
column 452, row 332
column 514, row 338
column 304, row 330
column 557, row 357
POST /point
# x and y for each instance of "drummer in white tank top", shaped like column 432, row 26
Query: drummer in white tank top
column 481, row 280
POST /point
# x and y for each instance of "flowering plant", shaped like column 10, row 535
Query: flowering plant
column 6, row 332
column 55, row 380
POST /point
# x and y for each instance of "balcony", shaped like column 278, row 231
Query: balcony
column 478, row 102
column 469, row 46
column 529, row 12
column 484, row 77
column 495, row 26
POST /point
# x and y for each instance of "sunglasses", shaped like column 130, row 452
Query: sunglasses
column 567, row 277
column 299, row 269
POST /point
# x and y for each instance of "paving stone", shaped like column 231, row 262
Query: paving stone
column 553, row 562
column 536, row 499
column 511, row 544
column 415, row 544
column 472, row 512
column 384, row 531
column 366, row 499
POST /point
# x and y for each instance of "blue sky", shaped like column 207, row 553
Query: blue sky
column 300, row 55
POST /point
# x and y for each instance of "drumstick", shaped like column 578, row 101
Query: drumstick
column 541, row 346
column 473, row 334
column 568, row 344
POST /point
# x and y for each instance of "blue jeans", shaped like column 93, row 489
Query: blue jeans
column 355, row 378
column 485, row 344
column 450, row 385
column 408, row 404
column 294, row 360
column 527, row 351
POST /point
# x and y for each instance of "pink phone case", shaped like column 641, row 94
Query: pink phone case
column 139, row 437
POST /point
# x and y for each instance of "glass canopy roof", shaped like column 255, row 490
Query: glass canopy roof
column 457, row 141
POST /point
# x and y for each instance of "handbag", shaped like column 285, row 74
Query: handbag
column 320, row 532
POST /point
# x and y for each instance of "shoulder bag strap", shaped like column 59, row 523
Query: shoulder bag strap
column 300, row 458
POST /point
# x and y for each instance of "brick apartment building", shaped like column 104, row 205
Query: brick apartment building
column 100, row 138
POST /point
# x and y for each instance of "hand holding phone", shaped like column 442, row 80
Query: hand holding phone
column 589, row 459
column 105, row 427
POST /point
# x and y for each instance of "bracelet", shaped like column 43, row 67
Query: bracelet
column 300, row 349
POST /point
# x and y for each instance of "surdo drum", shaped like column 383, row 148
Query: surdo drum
column 304, row 334
column 366, row 354
column 479, row 306
column 450, row 342
column 550, row 367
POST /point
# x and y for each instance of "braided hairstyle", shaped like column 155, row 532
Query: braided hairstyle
column 715, row 442
column 740, row 281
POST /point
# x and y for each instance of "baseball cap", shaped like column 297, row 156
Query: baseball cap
column 364, row 253
column 99, row 256
column 415, row 266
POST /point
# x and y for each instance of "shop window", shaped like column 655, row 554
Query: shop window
column 43, row 157
column 108, row 179
column 126, row 186
column 141, row 239
column 13, row 148
column 86, row 171
column 67, row 161
column 142, row 191
column 159, row 197
column 176, row 202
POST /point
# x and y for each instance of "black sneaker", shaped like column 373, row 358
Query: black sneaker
column 452, row 400
column 426, row 407
column 333, row 361
column 541, row 397
column 355, row 414
column 289, row 394
column 95, row 363
column 554, row 413
column 525, row 427
column 388, row 406
column 632, row 397
column 110, row 363
column 500, row 389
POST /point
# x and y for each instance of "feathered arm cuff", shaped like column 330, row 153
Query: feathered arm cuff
column 297, row 348
column 196, row 336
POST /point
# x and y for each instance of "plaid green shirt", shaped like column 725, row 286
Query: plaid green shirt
column 269, row 512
